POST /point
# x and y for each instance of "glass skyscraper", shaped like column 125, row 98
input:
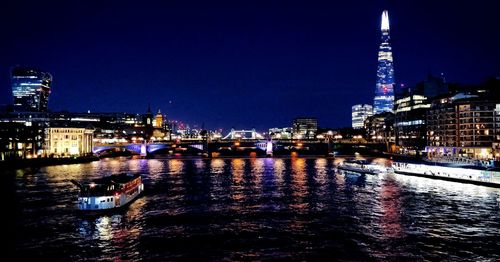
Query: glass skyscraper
column 384, row 91
column 30, row 89
column 359, row 114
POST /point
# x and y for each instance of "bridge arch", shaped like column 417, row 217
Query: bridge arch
column 243, row 134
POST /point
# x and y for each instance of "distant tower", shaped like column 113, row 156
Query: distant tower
column 148, row 118
column 384, row 91
column 158, row 121
column 30, row 89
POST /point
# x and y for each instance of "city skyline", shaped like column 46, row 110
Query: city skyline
column 261, row 69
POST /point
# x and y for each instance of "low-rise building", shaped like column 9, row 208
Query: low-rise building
column 69, row 141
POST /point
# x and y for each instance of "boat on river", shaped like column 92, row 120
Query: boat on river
column 109, row 192
column 468, row 174
column 361, row 166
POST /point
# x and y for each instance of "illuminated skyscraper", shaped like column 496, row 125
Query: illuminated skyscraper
column 359, row 114
column 384, row 91
column 30, row 89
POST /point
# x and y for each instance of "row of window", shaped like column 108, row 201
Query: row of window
column 476, row 108
column 109, row 199
column 73, row 130
column 73, row 137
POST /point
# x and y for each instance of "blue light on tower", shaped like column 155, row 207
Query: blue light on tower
column 384, row 91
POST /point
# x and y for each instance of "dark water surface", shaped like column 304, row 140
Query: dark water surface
column 245, row 209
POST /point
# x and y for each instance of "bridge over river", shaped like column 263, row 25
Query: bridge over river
column 243, row 147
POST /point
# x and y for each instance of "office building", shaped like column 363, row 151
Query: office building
column 410, row 123
column 305, row 128
column 359, row 114
column 30, row 89
column 380, row 128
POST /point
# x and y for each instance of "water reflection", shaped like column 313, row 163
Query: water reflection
column 279, row 169
column 354, row 179
column 217, row 166
column 227, row 209
column 390, row 203
column 175, row 166
column 299, row 178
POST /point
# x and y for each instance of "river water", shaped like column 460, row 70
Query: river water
column 254, row 209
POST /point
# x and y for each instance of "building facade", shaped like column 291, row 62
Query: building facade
column 384, row 90
column 22, row 135
column 30, row 89
column 410, row 123
column 464, row 126
column 280, row 133
column 359, row 114
column 158, row 120
column 69, row 141
column 305, row 128
column 380, row 129
column 21, row 140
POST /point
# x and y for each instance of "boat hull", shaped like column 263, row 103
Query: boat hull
column 358, row 170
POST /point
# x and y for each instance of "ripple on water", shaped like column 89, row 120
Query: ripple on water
column 241, row 209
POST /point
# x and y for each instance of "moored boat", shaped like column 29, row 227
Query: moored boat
column 361, row 166
column 109, row 192
column 471, row 174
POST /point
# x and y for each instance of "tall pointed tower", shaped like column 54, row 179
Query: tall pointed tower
column 384, row 91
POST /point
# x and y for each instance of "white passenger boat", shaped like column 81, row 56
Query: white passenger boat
column 109, row 192
column 472, row 175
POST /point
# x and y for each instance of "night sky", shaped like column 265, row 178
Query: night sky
column 241, row 64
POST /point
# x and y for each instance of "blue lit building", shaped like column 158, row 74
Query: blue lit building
column 384, row 91
column 30, row 89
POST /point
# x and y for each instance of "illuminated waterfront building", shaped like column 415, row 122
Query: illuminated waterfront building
column 411, row 108
column 69, row 141
column 305, row 128
column 464, row 125
column 384, row 90
column 359, row 114
column 410, row 122
column 280, row 133
column 22, row 134
column 380, row 128
column 30, row 89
